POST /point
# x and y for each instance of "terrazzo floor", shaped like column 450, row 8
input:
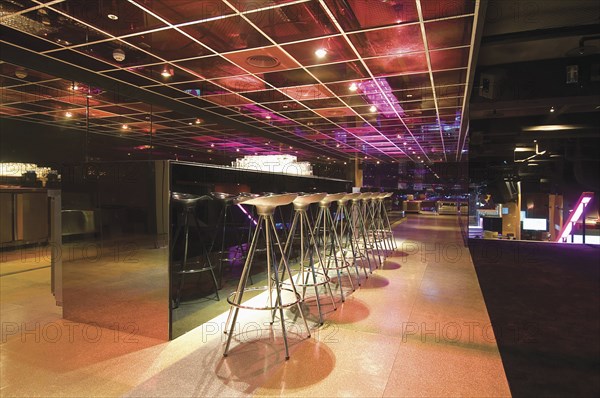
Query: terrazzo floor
column 417, row 327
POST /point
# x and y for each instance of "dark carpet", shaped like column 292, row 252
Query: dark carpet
column 544, row 303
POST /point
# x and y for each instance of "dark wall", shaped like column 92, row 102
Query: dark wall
column 36, row 143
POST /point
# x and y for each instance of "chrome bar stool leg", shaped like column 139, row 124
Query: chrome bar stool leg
column 265, row 208
column 370, row 221
column 341, row 220
column 361, row 228
column 387, row 222
column 332, row 242
column 308, row 249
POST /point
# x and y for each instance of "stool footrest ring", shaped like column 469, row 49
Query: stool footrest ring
column 266, row 307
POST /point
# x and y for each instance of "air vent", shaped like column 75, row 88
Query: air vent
column 262, row 61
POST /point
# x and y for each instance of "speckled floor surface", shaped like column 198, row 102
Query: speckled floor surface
column 417, row 327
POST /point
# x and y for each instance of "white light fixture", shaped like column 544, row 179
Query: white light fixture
column 321, row 52
column 373, row 109
column 112, row 17
column 353, row 87
column 166, row 72
column 552, row 110
column 125, row 127
column 118, row 54
column 68, row 114
column 21, row 73
column 198, row 121
column 553, row 127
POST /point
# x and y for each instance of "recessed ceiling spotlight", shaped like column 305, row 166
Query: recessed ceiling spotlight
column 414, row 153
column 321, row 52
column 125, row 127
column 68, row 114
column 268, row 117
column 166, row 72
column 291, row 147
column 404, row 143
column 378, row 162
column 353, row 87
column 112, row 17
column 337, row 145
column 237, row 149
column 190, row 123
column 75, row 87
column 410, row 148
column 552, row 110
column 198, row 121
column 212, row 145
column 373, row 108
column 409, row 95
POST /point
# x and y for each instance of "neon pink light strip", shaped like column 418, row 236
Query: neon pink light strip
column 247, row 214
column 567, row 228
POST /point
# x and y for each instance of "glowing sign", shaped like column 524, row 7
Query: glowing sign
column 567, row 228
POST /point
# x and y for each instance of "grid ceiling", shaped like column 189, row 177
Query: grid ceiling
column 391, row 85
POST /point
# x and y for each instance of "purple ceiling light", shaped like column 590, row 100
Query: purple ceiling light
column 382, row 99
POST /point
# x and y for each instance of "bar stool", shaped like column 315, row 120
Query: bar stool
column 369, row 214
column 265, row 207
column 376, row 222
column 308, row 276
column 384, row 221
column 331, row 241
column 352, row 234
column 187, row 203
column 225, row 222
column 359, row 227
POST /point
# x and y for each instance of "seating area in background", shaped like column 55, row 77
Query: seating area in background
column 305, row 250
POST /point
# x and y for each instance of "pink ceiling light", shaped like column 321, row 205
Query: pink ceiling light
column 382, row 99
column 567, row 228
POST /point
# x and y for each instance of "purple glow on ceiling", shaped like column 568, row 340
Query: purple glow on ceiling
column 382, row 98
column 263, row 113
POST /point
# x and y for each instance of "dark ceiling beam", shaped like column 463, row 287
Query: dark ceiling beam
column 541, row 34
column 464, row 127
column 33, row 60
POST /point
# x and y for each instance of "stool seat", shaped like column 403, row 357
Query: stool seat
column 332, row 197
column 303, row 201
column 231, row 199
column 268, row 204
column 351, row 196
column 188, row 199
